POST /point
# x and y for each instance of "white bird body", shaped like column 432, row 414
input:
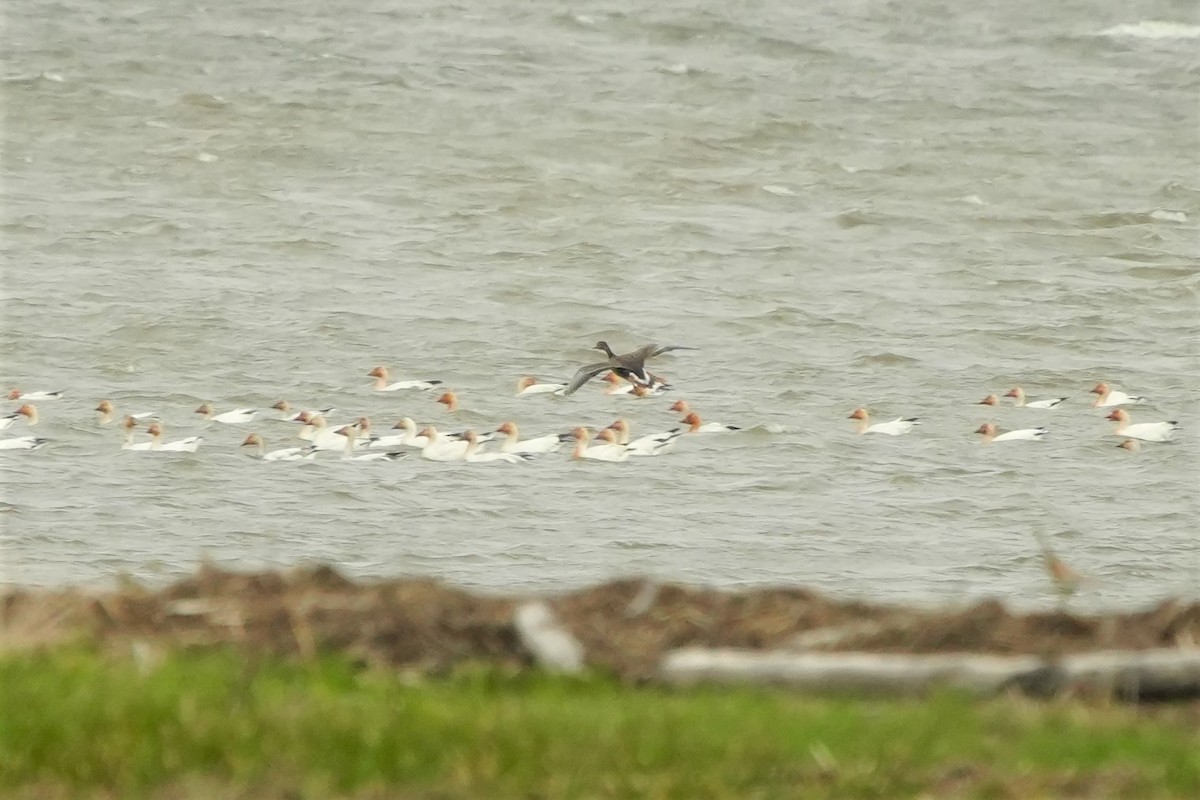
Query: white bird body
column 188, row 445
column 424, row 386
column 23, row 443
column 290, row 454
column 238, row 416
column 1149, row 431
column 1053, row 402
column 390, row 440
column 528, row 385
column 380, row 374
column 472, row 455
column 1025, row 434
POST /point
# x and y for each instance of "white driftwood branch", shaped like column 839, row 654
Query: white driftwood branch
column 552, row 646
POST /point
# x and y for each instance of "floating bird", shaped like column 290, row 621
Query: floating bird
column 695, row 425
column 188, row 445
column 284, row 454
column 610, row 451
column 318, row 432
column 649, row 445
column 1146, row 431
column 442, row 448
column 897, row 427
column 692, row 419
column 472, row 455
column 616, row 385
column 408, row 439
column 106, row 413
column 380, row 374
column 239, row 416
column 542, row 444
column 638, row 390
column 991, row 434
column 28, row 411
column 394, row 440
column 1112, row 397
column 286, row 414
column 1020, row 401
column 529, row 385
column 630, row 366
column 449, row 400
column 33, row 397
column 350, row 434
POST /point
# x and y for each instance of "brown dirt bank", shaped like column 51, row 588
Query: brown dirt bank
column 625, row 626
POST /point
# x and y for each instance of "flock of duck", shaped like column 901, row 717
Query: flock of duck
column 1106, row 397
column 624, row 374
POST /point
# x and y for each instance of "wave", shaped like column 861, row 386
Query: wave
column 1153, row 29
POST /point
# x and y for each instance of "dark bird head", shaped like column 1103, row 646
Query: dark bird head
column 603, row 345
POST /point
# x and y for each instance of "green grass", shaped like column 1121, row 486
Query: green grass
column 76, row 723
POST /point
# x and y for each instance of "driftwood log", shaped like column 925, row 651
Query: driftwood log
column 1132, row 675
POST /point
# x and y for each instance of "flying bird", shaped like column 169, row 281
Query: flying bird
column 630, row 366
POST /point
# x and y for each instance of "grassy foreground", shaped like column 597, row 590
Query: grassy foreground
column 79, row 724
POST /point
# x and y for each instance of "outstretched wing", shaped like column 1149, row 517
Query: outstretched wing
column 635, row 362
column 655, row 350
column 642, row 353
column 583, row 375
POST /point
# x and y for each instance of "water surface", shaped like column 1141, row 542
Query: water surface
column 905, row 207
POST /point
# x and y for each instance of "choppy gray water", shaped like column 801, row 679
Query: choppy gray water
column 904, row 206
